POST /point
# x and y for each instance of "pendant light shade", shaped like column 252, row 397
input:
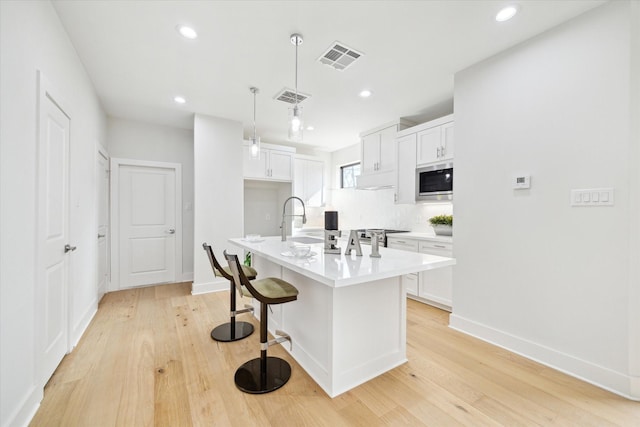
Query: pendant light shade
column 255, row 140
column 296, row 125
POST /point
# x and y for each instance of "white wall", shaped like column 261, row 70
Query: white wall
column 218, row 195
column 537, row 276
column 141, row 141
column 31, row 39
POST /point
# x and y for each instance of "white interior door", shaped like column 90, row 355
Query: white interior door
column 53, row 232
column 147, row 225
column 102, row 173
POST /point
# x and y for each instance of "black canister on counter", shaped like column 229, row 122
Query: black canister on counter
column 330, row 220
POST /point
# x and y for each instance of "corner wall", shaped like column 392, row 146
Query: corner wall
column 32, row 38
column 218, row 195
column 533, row 274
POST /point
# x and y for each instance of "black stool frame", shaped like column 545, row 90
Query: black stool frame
column 232, row 330
column 263, row 374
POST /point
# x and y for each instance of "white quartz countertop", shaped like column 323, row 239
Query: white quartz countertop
column 422, row 236
column 337, row 270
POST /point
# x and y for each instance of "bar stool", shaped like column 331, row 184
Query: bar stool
column 263, row 374
column 232, row 330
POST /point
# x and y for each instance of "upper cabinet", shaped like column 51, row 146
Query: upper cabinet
column 424, row 144
column 378, row 155
column 406, row 186
column 275, row 163
column 435, row 143
column 308, row 182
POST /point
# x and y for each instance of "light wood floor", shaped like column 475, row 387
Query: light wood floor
column 147, row 359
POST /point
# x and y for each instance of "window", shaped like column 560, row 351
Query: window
column 348, row 175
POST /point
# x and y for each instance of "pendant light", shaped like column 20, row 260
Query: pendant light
column 295, row 113
column 255, row 140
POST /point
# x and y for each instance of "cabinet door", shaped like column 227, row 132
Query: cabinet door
column 387, row 159
column 429, row 142
column 254, row 168
column 406, row 185
column 411, row 283
column 370, row 153
column 447, row 141
column 314, row 183
column 280, row 165
column 308, row 182
column 436, row 285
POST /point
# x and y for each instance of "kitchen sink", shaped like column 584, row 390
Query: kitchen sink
column 305, row 239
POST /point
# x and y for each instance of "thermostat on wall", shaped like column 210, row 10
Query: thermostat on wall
column 521, row 181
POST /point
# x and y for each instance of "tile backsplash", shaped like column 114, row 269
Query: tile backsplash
column 376, row 209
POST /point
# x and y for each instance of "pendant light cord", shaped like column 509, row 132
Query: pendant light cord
column 297, row 71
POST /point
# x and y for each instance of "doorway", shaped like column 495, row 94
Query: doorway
column 146, row 223
column 102, row 235
column 54, row 249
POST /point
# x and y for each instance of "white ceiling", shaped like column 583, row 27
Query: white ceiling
column 138, row 62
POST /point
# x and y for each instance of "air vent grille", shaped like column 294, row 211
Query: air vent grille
column 339, row 56
column 289, row 96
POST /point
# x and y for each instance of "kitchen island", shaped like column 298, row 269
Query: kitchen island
column 349, row 322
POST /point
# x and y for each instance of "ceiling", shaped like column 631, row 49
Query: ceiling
column 411, row 50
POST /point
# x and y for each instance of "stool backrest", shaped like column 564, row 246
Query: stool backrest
column 215, row 265
column 239, row 277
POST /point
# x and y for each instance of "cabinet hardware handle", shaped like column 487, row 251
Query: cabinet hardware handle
column 438, row 152
column 439, row 246
column 101, row 235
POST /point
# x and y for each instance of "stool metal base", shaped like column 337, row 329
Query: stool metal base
column 225, row 333
column 250, row 379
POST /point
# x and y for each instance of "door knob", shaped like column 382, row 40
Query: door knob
column 172, row 231
column 69, row 248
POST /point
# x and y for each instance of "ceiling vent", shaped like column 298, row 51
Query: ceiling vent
column 289, row 96
column 339, row 56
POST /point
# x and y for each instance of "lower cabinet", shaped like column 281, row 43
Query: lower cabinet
column 433, row 287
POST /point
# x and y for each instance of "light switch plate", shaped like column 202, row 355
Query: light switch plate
column 592, row 197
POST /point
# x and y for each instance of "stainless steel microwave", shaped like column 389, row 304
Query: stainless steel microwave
column 435, row 183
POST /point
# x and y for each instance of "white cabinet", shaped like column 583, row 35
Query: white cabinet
column 436, row 285
column 435, row 144
column 378, row 151
column 275, row 163
column 433, row 287
column 406, row 178
column 378, row 156
column 308, row 182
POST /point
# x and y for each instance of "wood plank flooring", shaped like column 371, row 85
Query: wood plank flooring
column 147, row 360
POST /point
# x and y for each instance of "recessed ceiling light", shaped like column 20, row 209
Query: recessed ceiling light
column 506, row 13
column 310, row 128
column 179, row 100
column 187, row 32
column 365, row 93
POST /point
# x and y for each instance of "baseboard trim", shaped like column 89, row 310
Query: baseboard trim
column 205, row 288
column 83, row 324
column 27, row 409
column 599, row 376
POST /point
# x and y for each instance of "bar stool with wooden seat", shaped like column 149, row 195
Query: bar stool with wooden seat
column 263, row 374
column 232, row 330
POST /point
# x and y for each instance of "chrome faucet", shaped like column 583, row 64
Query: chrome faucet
column 283, row 226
